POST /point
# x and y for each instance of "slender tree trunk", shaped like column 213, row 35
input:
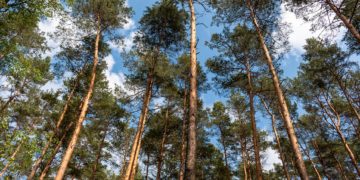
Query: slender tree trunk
column 314, row 165
column 321, row 160
column 253, row 123
column 163, row 141
column 12, row 97
column 348, row 150
column 2, row 172
column 244, row 158
column 225, row 151
column 336, row 125
column 183, row 136
column 59, row 122
column 341, row 168
column 131, row 168
column 345, row 20
column 38, row 161
column 191, row 159
column 85, row 104
column 56, row 150
column 348, row 97
column 125, row 154
column 282, row 103
column 307, row 153
column 278, row 143
column 98, row 155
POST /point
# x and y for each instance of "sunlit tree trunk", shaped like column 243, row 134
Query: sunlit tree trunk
column 336, row 126
column 307, row 153
column 282, row 103
column 58, row 123
column 191, row 156
column 348, row 97
column 132, row 165
column 255, row 135
column 278, row 143
column 320, row 158
column 244, row 159
column 344, row 19
column 55, row 151
column 2, row 172
column 85, row 104
column 12, row 97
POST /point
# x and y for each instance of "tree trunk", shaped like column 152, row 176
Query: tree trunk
column 163, row 141
column 12, row 97
column 85, row 104
column 56, row 150
column 98, row 155
column 191, row 159
column 282, row 103
column 225, row 151
column 320, row 158
column 348, row 97
column 2, row 172
column 345, row 20
column 131, row 168
column 307, row 153
column 59, row 121
column 253, row 123
column 278, row 143
column 348, row 150
column 336, row 125
column 183, row 137
column 244, row 159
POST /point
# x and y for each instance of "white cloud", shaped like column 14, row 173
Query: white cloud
column 129, row 25
column 129, row 41
column 300, row 29
column 271, row 158
column 53, row 85
column 48, row 27
column 113, row 78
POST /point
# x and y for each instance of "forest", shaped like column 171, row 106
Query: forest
column 179, row 89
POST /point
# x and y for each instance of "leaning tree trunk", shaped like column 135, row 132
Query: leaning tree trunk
column 85, row 104
column 348, row 150
column 255, row 135
column 56, row 150
column 2, row 172
column 348, row 97
column 12, row 97
column 320, row 158
column 58, row 123
column 345, row 20
column 183, row 137
column 132, row 165
column 282, row 103
column 191, row 158
column 336, row 125
column 278, row 142
column 161, row 153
